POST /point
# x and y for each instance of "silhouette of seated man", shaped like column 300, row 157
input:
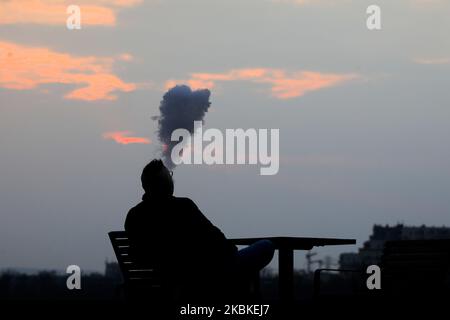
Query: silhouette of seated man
column 172, row 233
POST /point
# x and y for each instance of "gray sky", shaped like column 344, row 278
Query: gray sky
column 364, row 141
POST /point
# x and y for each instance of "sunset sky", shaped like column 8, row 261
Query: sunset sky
column 364, row 117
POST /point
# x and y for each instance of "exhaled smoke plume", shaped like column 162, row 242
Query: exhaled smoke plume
column 179, row 108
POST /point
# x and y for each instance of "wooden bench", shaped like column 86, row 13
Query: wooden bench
column 137, row 275
column 142, row 280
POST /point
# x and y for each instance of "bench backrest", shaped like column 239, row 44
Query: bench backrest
column 132, row 270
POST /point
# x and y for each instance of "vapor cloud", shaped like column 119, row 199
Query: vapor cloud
column 179, row 108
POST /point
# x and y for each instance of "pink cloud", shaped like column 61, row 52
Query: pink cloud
column 283, row 84
column 442, row 60
column 53, row 12
column 123, row 137
column 26, row 67
column 424, row 3
column 415, row 3
column 313, row 2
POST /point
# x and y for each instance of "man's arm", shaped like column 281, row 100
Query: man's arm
column 205, row 231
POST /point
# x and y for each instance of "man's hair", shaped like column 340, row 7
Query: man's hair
column 151, row 178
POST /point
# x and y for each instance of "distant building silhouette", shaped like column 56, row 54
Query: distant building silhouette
column 371, row 251
column 112, row 271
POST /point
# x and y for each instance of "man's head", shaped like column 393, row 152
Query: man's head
column 157, row 179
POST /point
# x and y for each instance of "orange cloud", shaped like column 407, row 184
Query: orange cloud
column 432, row 60
column 284, row 85
column 53, row 12
column 312, row 2
column 417, row 3
column 118, row 3
column 123, row 137
column 299, row 2
column 25, row 67
column 428, row 2
column 125, row 57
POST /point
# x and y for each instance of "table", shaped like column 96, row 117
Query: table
column 286, row 247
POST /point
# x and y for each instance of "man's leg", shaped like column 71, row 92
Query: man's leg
column 256, row 256
column 249, row 261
